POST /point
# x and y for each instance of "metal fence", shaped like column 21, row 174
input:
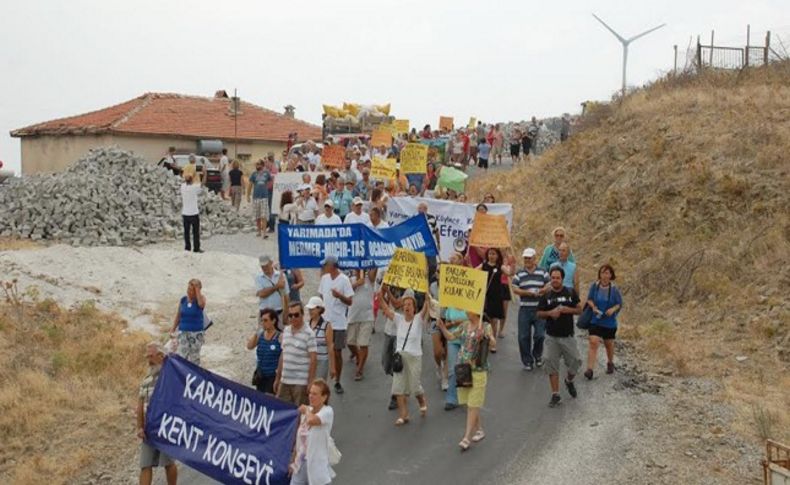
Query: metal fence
column 730, row 57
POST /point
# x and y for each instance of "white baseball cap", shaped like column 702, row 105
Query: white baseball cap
column 314, row 302
column 528, row 253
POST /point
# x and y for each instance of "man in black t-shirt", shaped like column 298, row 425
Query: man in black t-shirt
column 557, row 307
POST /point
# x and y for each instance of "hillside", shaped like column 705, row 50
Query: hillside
column 684, row 189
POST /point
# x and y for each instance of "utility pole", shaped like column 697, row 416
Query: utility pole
column 625, row 43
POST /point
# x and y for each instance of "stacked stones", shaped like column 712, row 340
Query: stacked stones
column 108, row 198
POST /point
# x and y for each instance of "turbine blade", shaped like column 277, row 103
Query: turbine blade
column 645, row 33
column 619, row 37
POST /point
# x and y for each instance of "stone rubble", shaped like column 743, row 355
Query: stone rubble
column 108, row 198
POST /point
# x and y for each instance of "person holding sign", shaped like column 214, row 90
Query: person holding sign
column 150, row 456
column 408, row 345
column 313, row 439
column 476, row 337
column 495, row 293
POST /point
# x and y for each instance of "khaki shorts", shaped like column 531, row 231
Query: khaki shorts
column 293, row 393
column 359, row 333
column 407, row 381
column 556, row 348
column 151, row 457
column 261, row 208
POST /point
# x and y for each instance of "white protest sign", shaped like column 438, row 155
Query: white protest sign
column 452, row 219
column 285, row 181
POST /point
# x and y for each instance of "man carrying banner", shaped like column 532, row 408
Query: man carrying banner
column 270, row 286
column 328, row 217
column 149, row 456
column 336, row 291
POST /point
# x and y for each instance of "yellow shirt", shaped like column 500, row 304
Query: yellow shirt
column 190, row 169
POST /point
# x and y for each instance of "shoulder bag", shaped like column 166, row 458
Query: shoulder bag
column 397, row 359
column 585, row 319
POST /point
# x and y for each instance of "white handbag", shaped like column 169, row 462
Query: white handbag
column 333, row 453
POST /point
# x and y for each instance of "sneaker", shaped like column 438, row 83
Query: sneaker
column 528, row 367
column 539, row 362
column 588, row 374
column 445, row 384
column 448, row 406
column 556, row 400
column 393, row 404
column 571, row 388
column 338, row 388
column 610, row 367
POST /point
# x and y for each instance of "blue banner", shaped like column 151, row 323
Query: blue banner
column 223, row 429
column 356, row 246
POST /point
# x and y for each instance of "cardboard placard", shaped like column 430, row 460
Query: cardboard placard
column 414, row 158
column 489, row 231
column 446, row 123
column 400, row 127
column 333, row 156
column 408, row 269
column 462, row 287
column 472, row 122
column 383, row 169
column 381, row 136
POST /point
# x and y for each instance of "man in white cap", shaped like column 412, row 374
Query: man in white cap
column 306, row 205
column 271, row 287
column 329, row 216
column 356, row 214
column 336, row 291
column 529, row 284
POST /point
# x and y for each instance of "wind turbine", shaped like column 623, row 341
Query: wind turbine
column 625, row 43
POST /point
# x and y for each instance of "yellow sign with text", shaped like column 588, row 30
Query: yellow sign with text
column 489, row 231
column 462, row 287
column 472, row 122
column 400, row 127
column 383, row 169
column 382, row 136
column 408, row 269
column 446, row 123
column 414, row 158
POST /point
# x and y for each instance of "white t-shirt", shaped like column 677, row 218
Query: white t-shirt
column 414, row 344
column 223, row 162
column 189, row 199
column 323, row 220
column 307, row 213
column 382, row 224
column 362, row 218
column 335, row 311
column 362, row 305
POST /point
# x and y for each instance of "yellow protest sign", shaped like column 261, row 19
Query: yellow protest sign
column 472, row 122
column 446, row 123
column 383, row 169
column 414, row 158
column 408, row 269
column 333, row 156
column 381, row 136
column 400, row 127
column 489, row 231
column 462, row 287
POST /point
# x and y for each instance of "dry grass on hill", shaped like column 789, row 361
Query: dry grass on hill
column 68, row 381
column 685, row 189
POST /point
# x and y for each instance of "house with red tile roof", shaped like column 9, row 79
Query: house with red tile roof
column 152, row 123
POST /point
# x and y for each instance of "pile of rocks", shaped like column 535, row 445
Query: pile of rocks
column 110, row 197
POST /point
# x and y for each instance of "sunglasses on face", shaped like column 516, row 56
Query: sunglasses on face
column 294, row 315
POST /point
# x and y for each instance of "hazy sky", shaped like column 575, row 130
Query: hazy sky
column 499, row 60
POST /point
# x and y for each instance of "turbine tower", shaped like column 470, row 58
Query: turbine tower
column 625, row 43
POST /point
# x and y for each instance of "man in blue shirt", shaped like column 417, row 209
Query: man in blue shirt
column 571, row 278
column 259, row 186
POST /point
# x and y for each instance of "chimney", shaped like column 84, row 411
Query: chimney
column 289, row 111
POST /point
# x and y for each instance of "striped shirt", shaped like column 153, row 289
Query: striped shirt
column 268, row 353
column 296, row 354
column 320, row 339
column 526, row 280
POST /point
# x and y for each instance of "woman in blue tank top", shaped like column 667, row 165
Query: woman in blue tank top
column 189, row 322
column 266, row 342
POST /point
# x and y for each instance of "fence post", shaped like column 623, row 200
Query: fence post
column 746, row 55
column 767, row 47
column 676, row 59
column 711, row 48
column 699, row 55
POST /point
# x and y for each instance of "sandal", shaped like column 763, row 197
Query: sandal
column 479, row 436
column 401, row 421
column 358, row 377
column 464, row 444
column 423, row 411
